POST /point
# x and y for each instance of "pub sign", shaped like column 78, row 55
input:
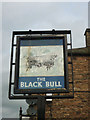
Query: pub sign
column 41, row 64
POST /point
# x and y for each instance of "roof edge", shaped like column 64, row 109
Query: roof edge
column 87, row 30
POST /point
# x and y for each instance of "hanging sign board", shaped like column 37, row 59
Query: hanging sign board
column 41, row 65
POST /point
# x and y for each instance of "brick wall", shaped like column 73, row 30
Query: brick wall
column 78, row 107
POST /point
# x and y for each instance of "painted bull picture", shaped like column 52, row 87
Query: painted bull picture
column 39, row 61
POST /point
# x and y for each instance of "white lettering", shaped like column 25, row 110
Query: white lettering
column 37, row 79
column 41, row 79
column 26, row 84
column 35, row 84
column 39, row 84
column 51, row 84
column 47, row 84
column 22, row 84
column 57, row 84
column 30, row 84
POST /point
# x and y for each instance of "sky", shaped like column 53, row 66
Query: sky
column 37, row 16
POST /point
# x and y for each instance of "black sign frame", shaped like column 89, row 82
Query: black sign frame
column 40, row 91
column 31, row 33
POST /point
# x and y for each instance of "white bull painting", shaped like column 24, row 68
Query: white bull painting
column 41, row 61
